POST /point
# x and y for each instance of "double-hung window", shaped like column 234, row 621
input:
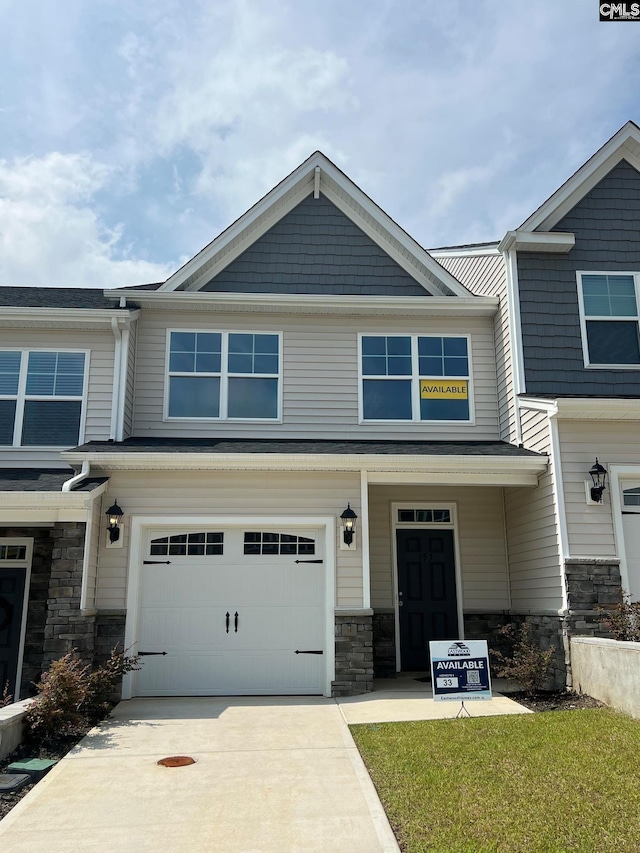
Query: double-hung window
column 223, row 375
column 41, row 397
column 609, row 315
column 415, row 378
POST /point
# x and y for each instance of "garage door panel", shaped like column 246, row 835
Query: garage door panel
column 280, row 607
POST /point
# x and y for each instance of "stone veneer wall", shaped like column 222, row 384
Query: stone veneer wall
column 384, row 644
column 109, row 634
column 354, row 654
column 32, row 663
column 66, row 627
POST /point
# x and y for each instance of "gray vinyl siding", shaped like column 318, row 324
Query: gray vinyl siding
column 485, row 275
column 100, row 383
column 315, row 249
column 130, row 381
column 229, row 493
column 605, row 224
column 590, row 528
column 481, row 536
column 320, row 369
column 533, row 538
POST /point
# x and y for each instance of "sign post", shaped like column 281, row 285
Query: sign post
column 460, row 671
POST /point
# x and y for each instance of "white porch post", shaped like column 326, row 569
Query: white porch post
column 364, row 538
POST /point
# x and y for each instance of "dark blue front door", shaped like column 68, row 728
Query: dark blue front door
column 427, row 593
column 11, row 602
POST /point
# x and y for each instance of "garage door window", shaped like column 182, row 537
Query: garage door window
column 277, row 543
column 188, row 545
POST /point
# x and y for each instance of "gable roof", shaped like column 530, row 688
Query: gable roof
column 317, row 175
column 623, row 145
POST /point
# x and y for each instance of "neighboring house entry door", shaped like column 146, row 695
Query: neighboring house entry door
column 427, row 593
column 12, row 584
column 631, row 530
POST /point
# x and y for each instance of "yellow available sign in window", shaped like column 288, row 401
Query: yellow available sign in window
column 444, row 389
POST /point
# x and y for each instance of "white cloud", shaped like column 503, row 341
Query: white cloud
column 50, row 235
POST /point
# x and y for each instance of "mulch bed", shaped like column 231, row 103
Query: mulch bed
column 53, row 750
column 561, row 700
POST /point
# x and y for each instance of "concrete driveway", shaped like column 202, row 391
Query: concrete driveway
column 271, row 774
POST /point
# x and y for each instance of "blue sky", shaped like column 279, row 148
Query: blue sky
column 131, row 133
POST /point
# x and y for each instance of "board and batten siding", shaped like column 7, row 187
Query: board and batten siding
column 481, row 535
column 485, row 275
column 590, row 528
column 533, row 538
column 320, row 370
column 100, row 386
column 181, row 495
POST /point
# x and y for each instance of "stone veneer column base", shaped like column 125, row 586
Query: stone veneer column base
column 384, row 644
column 354, row 653
column 67, row 628
column 109, row 634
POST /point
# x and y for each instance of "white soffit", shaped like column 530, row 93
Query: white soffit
column 342, row 192
column 558, row 242
column 586, row 408
column 624, row 145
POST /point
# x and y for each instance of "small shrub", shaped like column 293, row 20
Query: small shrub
column 527, row 663
column 6, row 698
column 71, row 698
column 623, row 620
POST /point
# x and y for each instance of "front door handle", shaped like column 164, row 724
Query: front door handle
column 235, row 621
column 227, row 621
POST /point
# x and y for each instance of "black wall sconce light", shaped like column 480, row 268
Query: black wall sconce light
column 349, row 524
column 599, row 477
column 114, row 514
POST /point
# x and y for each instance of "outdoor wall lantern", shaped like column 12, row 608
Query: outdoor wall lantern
column 114, row 514
column 599, row 477
column 348, row 524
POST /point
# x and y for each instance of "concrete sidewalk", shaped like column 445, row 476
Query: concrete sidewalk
column 272, row 775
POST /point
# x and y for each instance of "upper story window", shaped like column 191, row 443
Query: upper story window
column 609, row 316
column 223, row 375
column 415, row 378
column 41, row 398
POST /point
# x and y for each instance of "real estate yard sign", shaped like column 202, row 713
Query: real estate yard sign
column 460, row 669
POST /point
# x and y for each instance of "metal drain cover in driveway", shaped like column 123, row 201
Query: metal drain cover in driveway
column 177, row 761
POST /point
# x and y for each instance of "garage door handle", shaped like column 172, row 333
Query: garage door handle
column 227, row 621
column 307, row 561
column 313, row 652
column 235, row 621
column 144, row 654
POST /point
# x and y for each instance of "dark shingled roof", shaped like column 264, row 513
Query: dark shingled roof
column 55, row 297
column 43, row 480
column 300, row 446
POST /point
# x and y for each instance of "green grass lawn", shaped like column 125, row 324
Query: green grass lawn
column 550, row 782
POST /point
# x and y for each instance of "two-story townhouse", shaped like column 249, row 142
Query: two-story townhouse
column 310, row 370
column 569, row 283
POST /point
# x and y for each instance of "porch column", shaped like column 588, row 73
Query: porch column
column 364, row 539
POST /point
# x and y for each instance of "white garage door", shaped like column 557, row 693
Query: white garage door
column 231, row 611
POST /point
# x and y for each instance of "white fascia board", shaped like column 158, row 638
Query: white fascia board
column 290, row 303
column 448, row 478
column 300, row 183
column 479, row 251
column 60, row 317
column 52, row 500
column 624, row 145
column 598, row 408
column 442, row 464
column 556, row 242
column 535, row 404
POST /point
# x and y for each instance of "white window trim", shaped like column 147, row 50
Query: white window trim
column 224, row 377
column 21, row 397
column 418, row 525
column 415, row 379
column 583, row 318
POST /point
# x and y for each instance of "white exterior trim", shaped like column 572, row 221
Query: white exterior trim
column 397, row 525
column 515, row 336
column 617, row 475
column 139, row 524
column 55, row 318
column 18, row 564
column 624, row 145
column 364, row 538
column 605, row 318
column 414, row 378
column 586, row 408
column 557, row 242
column 558, row 497
column 303, row 181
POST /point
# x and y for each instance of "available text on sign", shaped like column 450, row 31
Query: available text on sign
column 460, row 669
column 437, row 389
